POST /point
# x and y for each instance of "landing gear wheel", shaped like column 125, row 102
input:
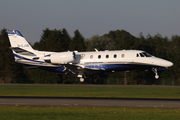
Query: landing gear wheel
column 81, row 79
column 156, row 76
column 155, row 71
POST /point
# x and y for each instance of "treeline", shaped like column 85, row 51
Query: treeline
column 60, row 40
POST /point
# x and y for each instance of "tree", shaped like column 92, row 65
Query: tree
column 100, row 43
column 54, row 40
column 122, row 39
column 78, row 42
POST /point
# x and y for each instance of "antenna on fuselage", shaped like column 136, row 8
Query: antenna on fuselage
column 96, row 50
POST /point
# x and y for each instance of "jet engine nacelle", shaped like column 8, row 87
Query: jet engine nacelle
column 63, row 58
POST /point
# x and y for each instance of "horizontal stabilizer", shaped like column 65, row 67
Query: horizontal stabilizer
column 22, row 51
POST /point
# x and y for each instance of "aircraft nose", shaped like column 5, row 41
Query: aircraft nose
column 164, row 63
column 169, row 64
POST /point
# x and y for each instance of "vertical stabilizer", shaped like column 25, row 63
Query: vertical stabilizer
column 17, row 40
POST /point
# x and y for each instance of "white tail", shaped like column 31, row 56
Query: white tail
column 20, row 47
column 18, row 41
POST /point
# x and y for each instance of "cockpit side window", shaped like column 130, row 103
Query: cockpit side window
column 141, row 55
column 137, row 55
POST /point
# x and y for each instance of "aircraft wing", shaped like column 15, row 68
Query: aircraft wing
column 77, row 68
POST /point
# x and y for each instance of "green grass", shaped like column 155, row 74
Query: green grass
column 80, row 91
column 87, row 113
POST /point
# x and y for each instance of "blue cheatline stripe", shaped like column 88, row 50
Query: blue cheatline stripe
column 120, row 67
column 92, row 62
column 20, row 57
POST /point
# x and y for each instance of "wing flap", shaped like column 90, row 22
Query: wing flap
column 75, row 69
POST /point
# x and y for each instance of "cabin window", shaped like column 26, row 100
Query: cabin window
column 99, row 56
column 141, row 55
column 115, row 55
column 123, row 55
column 107, row 56
column 91, row 57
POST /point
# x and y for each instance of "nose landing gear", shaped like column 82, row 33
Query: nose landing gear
column 156, row 73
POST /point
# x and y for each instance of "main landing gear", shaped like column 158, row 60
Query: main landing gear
column 155, row 71
column 81, row 77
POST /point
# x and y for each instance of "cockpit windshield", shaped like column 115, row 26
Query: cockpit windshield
column 147, row 54
column 143, row 54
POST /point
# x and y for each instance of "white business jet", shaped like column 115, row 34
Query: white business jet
column 83, row 63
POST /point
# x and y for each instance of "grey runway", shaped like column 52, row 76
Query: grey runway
column 96, row 102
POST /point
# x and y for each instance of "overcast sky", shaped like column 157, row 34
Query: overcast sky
column 91, row 17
